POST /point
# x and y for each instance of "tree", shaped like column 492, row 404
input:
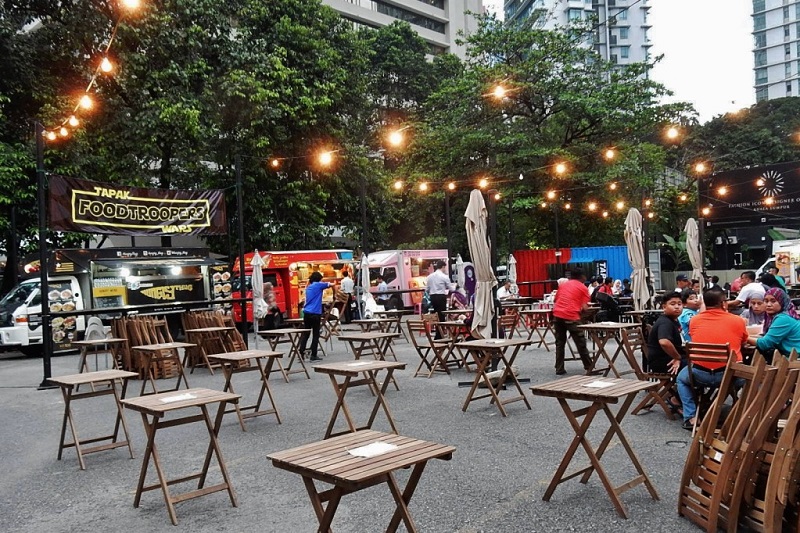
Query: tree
column 560, row 102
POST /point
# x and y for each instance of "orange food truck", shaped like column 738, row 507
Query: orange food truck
column 288, row 271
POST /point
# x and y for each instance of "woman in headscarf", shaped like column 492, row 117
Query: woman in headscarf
column 781, row 325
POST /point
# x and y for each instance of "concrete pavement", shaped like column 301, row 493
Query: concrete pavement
column 494, row 482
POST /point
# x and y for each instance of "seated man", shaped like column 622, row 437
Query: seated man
column 664, row 344
column 714, row 325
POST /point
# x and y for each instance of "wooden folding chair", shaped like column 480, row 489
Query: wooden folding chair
column 432, row 352
column 714, row 455
column 705, row 355
column 633, row 340
column 540, row 323
column 507, row 324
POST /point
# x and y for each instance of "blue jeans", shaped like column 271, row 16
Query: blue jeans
column 702, row 378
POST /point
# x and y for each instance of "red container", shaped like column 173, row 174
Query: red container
column 532, row 275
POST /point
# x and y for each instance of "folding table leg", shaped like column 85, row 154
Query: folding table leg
column 341, row 391
column 214, row 450
column 405, row 498
column 67, row 394
column 227, row 369
column 380, row 400
column 324, row 514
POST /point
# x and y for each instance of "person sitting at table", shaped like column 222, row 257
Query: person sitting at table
column 458, row 299
column 773, row 270
column 664, row 344
column 749, row 288
column 607, row 287
column 616, row 288
column 691, row 305
column 627, row 290
column 714, row 325
column 383, row 292
column 274, row 317
column 754, row 315
column 504, row 292
column 781, row 326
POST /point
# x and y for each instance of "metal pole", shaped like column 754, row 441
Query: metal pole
column 242, row 275
column 510, row 226
column 447, row 227
column 44, row 288
column 363, row 194
column 558, row 237
column 492, row 212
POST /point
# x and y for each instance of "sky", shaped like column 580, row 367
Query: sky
column 707, row 49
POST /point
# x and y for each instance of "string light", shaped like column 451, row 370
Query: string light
column 613, row 185
column 423, row 187
column 275, row 162
column 648, row 202
column 131, row 4
column 651, row 215
column 398, row 184
column 706, row 211
column 86, row 102
column 605, row 214
column 700, row 167
column 544, row 204
column 483, row 183
column 73, row 121
column 682, row 197
column 673, row 133
column 106, row 66
column 610, row 154
column 499, row 92
column 769, row 200
column 396, row 138
column 451, row 186
column 326, row 158
column 561, row 168
column 567, row 206
column 722, row 191
column 64, row 132
column 592, row 206
column 760, row 182
column 620, row 205
column 551, row 195
column 51, row 135
column 497, row 196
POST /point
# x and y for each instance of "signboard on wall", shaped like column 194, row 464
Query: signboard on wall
column 752, row 196
column 93, row 207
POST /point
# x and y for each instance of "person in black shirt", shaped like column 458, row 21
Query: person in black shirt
column 664, row 344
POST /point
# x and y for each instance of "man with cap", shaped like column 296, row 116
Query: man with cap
column 682, row 282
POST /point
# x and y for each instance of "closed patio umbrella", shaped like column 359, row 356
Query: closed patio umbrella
column 363, row 283
column 694, row 249
column 479, row 251
column 512, row 273
column 639, row 277
column 460, row 277
column 257, row 282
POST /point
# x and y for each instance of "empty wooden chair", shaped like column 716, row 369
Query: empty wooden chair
column 507, row 324
column 432, row 353
column 633, row 340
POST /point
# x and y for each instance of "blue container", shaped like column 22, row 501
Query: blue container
column 616, row 257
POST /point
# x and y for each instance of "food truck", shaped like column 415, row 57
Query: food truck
column 403, row 270
column 106, row 278
column 288, row 271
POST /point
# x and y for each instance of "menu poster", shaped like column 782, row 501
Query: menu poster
column 60, row 298
column 221, row 286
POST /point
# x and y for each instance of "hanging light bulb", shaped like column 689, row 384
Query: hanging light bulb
column 620, row 205
column 51, row 135
column 651, row 215
column 451, row 186
column 648, row 202
column 521, row 177
column 673, row 133
column 610, row 154
column 544, row 204
column 706, row 211
column 567, row 206
column 73, row 121
column 613, row 185
column 64, row 132
column 683, row 197
column 760, row 182
column 551, row 195
column 722, row 191
column 769, row 200
column 592, row 206
column 398, row 184
column 131, row 4
column 325, row 158
column 497, row 196
column 86, row 102
column 423, row 187
column 561, row 168
column 499, row 92
column 275, row 162
column 106, row 66
column 605, row 214
column 483, row 183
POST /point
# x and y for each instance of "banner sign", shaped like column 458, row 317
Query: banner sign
column 751, row 196
column 93, row 207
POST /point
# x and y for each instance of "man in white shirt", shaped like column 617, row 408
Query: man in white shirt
column 383, row 292
column 439, row 286
column 504, row 292
column 347, row 286
column 749, row 289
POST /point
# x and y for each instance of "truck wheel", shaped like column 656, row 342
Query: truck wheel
column 34, row 350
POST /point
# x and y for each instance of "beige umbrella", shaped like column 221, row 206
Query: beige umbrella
column 460, row 277
column 512, row 273
column 639, row 278
column 483, row 312
column 694, row 249
column 257, row 282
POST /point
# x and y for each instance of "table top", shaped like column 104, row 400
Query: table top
column 601, row 389
column 164, row 346
column 92, row 377
column 373, row 320
column 164, row 402
column 100, row 342
column 293, row 321
column 609, row 326
column 243, row 355
column 513, row 302
column 352, row 368
column 450, row 323
column 535, row 311
column 367, row 336
column 391, row 312
column 456, row 311
column 330, row 461
column 281, row 331
column 210, row 329
column 484, row 344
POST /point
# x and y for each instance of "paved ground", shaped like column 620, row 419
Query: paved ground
column 494, row 483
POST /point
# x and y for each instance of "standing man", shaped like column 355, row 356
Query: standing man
column 383, row 292
column 714, row 325
column 347, row 286
column 312, row 314
column 749, row 289
column 438, row 284
column 571, row 299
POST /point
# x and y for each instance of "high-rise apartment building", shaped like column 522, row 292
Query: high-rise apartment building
column 437, row 21
column 776, row 48
column 621, row 29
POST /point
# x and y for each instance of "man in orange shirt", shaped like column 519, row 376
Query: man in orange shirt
column 714, row 325
column 570, row 300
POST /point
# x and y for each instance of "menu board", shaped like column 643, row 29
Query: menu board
column 60, row 298
column 109, row 292
column 221, row 286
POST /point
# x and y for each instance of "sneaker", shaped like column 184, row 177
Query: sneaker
column 560, row 372
column 688, row 425
column 315, row 359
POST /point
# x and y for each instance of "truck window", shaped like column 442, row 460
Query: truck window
column 389, row 274
column 19, row 295
column 268, row 278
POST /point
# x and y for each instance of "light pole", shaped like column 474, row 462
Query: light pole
column 44, row 288
column 242, row 275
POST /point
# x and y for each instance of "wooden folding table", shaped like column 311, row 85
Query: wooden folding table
column 153, row 408
column 350, row 370
column 396, row 315
column 106, row 346
column 233, row 363
column 290, row 336
column 540, row 322
column 209, row 340
column 68, row 385
column 600, row 392
column 601, row 333
column 484, row 351
column 375, row 343
column 357, row 461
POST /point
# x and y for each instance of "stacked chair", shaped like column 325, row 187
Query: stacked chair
column 742, row 469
